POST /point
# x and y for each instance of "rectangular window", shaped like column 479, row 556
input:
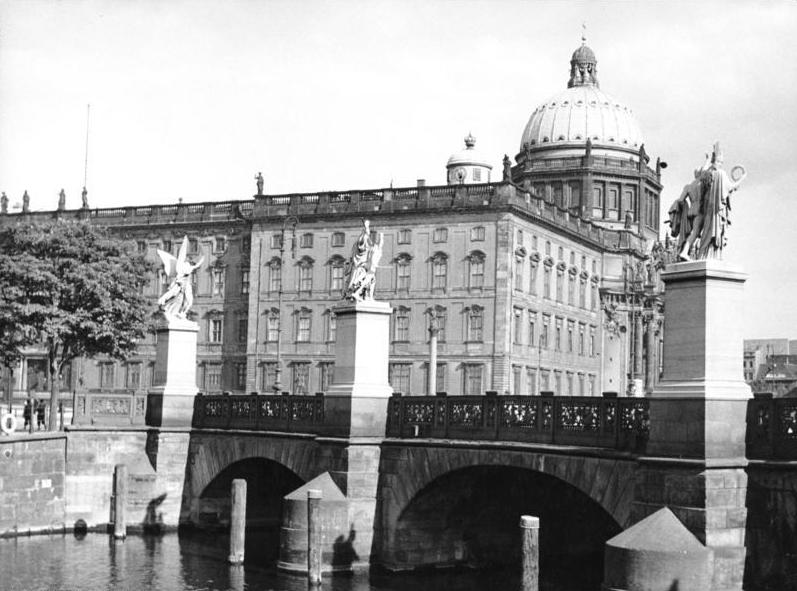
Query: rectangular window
column 546, row 282
column 268, row 376
column 516, row 379
column 519, row 238
column 193, row 246
column 400, row 377
column 332, row 327
column 547, row 248
column 133, row 380
column 306, row 241
column 560, row 277
column 440, row 235
column 403, row 274
column 439, row 273
column 338, row 239
column 243, row 328
column 558, row 335
column 545, row 380
column 546, row 322
column 327, row 370
column 217, row 276
column 592, row 341
column 477, row 174
column 303, row 328
column 477, row 234
column 519, row 264
column 569, row 384
column 581, row 385
column 475, row 325
column 306, row 278
column 276, row 241
column 597, row 201
column 215, row 330
column 274, row 277
column 517, row 327
column 593, row 304
column 212, row 377
column 591, row 385
column 532, row 328
column 531, row 381
column 301, row 378
column 244, row 281
column 575, row 195
column 272, row 327
column 557, row 382
column 581, row 329
column 571, row 289
column 533, row 278
column 167, row 246
column 571, row 328
column 336, row 283
column 558, row 196
column 240, row 376
column 221, row 244
column 476, row 272
column 402, row 328
column 629, row 204
column 613, row 205
column 141, row 246
column 473, row 379
column 582, row 294
column 404, row 236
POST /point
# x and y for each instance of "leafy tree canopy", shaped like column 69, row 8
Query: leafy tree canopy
column 71, row 289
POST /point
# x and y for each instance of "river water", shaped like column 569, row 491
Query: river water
column 196, row 561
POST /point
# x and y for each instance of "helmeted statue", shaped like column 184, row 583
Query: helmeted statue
column 700, row 216
column 178, row 298
column 361, row 268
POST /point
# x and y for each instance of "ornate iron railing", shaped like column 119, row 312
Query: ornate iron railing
column 619, row 423
column 126, row 407
column 772, row 428
column 259, row 412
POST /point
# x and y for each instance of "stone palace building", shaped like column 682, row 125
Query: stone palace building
column 543, row 277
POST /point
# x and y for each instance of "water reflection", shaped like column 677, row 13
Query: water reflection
column 196, row 561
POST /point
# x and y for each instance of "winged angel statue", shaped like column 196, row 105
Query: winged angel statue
column 178, row 298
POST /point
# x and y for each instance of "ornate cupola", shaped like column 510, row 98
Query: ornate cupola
column 468, row 166
column 583, row 66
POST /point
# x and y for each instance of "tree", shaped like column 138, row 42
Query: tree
column 72, row 290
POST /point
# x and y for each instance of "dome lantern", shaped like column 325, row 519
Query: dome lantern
column 583, row 65
column 468, row 166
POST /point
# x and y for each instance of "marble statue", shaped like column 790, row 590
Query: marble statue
column 361, row 268
column 4, row 203
column 61, row 200
column 507, row 169
column 25, row 202
column 699, row 217
column 84, row 195
column 178, row 298
column 259, row 181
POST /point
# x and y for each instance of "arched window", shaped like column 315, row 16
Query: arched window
column 331, row 326
column 403, row 271
column 272, row 325
column 476, row 269
column 439, row 271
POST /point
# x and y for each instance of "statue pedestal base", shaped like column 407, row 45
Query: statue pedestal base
column 695, row 461
column 356, row 403
column 170, row 402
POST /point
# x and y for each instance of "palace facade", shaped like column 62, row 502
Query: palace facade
column 544, row 280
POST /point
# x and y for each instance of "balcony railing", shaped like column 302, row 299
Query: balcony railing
column 772, row 428
column 561, row 420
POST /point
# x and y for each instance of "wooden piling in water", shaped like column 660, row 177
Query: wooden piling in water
column 237, row 521
column 120, row 502
column 313, row 537
column 530, row 540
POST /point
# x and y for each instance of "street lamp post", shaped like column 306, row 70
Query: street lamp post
column 434, row 328
column 291, row 221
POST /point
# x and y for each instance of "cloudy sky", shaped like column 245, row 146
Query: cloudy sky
column 190, row 99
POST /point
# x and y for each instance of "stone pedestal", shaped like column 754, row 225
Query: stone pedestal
column 356, row 403
column 696, row 451
column 170, row 402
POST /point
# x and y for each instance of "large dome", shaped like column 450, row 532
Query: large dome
column 582, row 111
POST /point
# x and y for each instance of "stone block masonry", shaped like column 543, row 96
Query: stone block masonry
column 32, row 491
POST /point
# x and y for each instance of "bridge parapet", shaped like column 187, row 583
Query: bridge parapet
column 114, row 407
column 260, row 412
column 618, row 423
column 771, row 428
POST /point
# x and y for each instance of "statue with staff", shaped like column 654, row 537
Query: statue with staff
column 180, row 295
column 700, row 216
column 361, row 267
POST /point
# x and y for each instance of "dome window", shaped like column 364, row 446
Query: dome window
column 545, row 139
column 564, row 104
column 595, row 137
column 611, row 139
column 561, row 138
column 580, row 103
column 533, row 142
column 606, row 104
column 625, row 141
column 593, row 104
column 578, row 137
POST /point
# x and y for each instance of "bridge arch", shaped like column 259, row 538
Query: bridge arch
column 411, row 471
column 212, row 455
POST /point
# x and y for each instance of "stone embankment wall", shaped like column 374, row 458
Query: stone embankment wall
column 32, row 491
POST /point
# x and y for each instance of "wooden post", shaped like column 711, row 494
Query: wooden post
column 313, row 537
column 237, row 521
column 530, row 540
column 119, row 502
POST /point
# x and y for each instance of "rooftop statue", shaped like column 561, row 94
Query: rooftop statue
column 699, row 217
column 259, row 182
column 84, row 196
column 178, row 298
column 4, row 203
column 25, row 202
column 361, row 268
column 61, row 200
